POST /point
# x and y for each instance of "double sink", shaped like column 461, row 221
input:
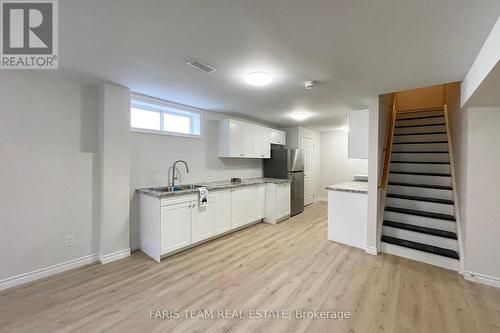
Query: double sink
column 176, row 188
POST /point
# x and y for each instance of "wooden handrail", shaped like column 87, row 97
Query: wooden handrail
column 454, row 184
column 388, row 145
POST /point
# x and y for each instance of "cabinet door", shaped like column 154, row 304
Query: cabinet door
column 260, row 202
column 203, row 222
column 223, row 211
column 282, row 200
column 261, row 142
column 286, row 199
column 238, row 207
column 234, row 137
column 246, row 140
column 265, row 150
column 279, row 201
column 175, row 226
column 278, row 137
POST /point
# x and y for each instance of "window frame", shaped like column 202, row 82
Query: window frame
column 163, row 108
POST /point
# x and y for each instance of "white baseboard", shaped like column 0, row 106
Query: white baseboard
column 371, row 250
column 481, row 278
column 321, row 199
column 44, row 272
column 108, row 258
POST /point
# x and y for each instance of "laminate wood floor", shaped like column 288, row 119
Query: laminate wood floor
column 289, row 266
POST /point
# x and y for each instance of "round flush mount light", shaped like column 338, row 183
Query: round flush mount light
column 310, row 84
column 258, row 78
column 300, row 115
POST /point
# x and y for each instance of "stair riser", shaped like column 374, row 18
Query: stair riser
column 424, row 157
column 421, row 147
column 428, row 258
column 420, row 138
column 436, row 168
column 421, row 205
column 445, row 243
column 423, row 121
column 418, row 179
column 421, row 221
column 420, row 192
column 414, row 114
column 424, row 129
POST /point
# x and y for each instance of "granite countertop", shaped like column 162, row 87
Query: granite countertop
column 212, row 186
column 350, row 186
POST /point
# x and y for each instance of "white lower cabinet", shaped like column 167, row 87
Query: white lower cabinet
column 203, row 220
column 173, row 223
column 175, row 226
column 277, row 202
column 247, row 205
column 222, row 211
column 239, row 207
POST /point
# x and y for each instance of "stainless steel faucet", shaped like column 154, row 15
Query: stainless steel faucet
column 173, row 170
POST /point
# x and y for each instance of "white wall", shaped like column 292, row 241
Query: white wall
column 114, row 152
column 335, row 166
column 151, row 158
column 48, row 173
column 482, row 227
column 487, row 58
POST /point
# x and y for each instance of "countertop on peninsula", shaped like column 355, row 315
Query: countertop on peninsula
column 212, row 186
column 350, row 186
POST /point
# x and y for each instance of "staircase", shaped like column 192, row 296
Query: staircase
column 419, row 217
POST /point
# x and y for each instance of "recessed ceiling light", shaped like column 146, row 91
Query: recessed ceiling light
column 258, row 78
column 300, row 115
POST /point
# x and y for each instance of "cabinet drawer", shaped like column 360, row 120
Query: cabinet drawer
column 177, row 199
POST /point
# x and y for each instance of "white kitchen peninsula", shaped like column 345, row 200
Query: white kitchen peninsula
column 348, row 213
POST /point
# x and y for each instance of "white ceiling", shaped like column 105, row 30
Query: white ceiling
column 357, row 49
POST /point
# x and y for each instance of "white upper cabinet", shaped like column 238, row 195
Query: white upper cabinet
column 358, row 134
column 261, row 142
column 246, row 140
column 278, row 137
column 234, row 132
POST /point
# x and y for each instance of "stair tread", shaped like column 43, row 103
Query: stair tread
column 425, row 133
column 424, row 117
column 423, row 230
column 421, row 173
column 420, row 162
column 421, row 152
column 421, row 247
column 420, row 125
column 418, row 142
column 436, row 187
column 418, row 198
column 438, row 216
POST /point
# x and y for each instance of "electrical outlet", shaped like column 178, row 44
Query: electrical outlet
column 70, row 240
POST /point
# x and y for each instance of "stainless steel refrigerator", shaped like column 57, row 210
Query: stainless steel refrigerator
column 287, row 163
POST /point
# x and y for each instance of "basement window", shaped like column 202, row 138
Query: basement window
column 155, row 116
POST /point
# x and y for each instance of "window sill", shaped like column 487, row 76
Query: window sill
column 156, row 132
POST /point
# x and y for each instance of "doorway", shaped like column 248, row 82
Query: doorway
column 307, row 145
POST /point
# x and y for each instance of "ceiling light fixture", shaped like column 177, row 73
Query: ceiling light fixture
column 300, row 115
column 310, row 84
column 258, row 78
